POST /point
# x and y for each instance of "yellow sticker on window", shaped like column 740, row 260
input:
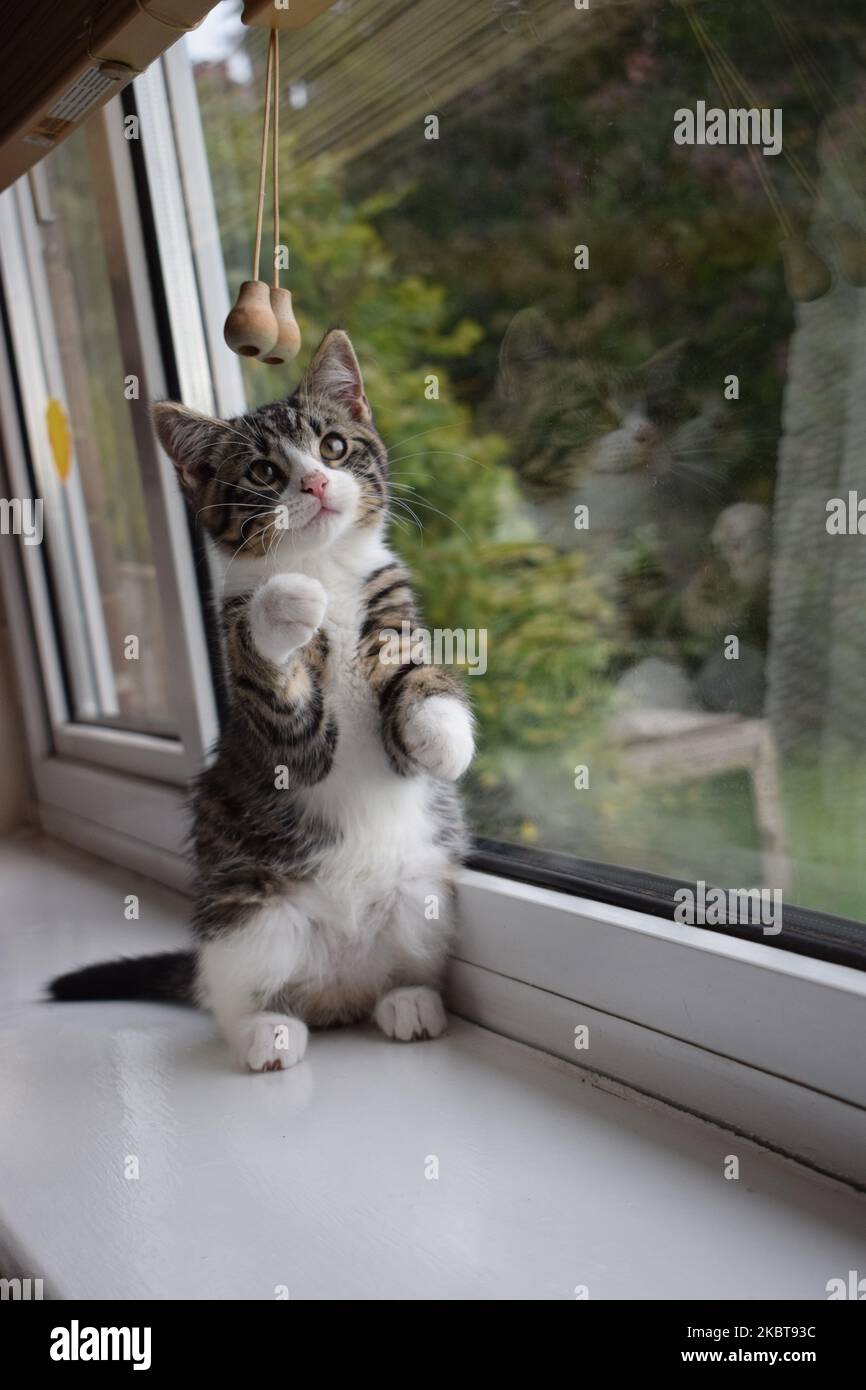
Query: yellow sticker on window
column 59, row 437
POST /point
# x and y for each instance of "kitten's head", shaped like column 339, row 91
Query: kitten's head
column 573, row 416
column 301, row 472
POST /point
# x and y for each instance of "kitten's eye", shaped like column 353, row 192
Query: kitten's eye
column 333, row 446
column 262, row 472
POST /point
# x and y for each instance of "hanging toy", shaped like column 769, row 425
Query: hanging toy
column 807, row 277
column 262, row 323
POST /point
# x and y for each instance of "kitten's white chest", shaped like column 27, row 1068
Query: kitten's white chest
column 352, row 699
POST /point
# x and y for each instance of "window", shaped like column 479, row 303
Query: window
column 618, row 408
column 88, row 345
column 614, row 475
column 122, row 646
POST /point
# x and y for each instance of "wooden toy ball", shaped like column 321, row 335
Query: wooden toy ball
column 287, row 343
column 251, row 329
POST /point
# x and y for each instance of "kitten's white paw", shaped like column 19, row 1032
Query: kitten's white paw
column 284, row 613
column 271, row 1042
column 411, row 1012
column 439, row 736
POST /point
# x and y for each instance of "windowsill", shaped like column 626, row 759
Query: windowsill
column 315, row 1179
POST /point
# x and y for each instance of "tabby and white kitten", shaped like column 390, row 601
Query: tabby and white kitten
column 328, row 828
column 653, row 444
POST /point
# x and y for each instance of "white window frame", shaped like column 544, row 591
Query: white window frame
column 40, row 376
column 761, row 1041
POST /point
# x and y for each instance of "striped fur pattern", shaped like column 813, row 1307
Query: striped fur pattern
column 328, row 827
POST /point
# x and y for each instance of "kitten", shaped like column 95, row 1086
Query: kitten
column 654, row 444
column 327, row 830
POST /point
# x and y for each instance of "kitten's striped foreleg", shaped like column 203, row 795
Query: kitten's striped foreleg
column 278, row 656
column 426, row 721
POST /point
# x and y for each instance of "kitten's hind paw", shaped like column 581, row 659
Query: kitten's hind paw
column 411, row 1012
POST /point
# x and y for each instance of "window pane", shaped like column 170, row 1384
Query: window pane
column 618, row 423
column 111, row 540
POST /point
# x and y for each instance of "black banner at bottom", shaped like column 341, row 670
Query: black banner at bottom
column 80, row 1339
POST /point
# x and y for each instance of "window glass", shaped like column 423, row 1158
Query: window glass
column 614, row 337
column 106, row 540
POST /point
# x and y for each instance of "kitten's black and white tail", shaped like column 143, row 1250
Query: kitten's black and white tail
column 167, row 978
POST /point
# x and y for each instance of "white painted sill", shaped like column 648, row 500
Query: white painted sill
column 469, row 1168
column 768, row 1043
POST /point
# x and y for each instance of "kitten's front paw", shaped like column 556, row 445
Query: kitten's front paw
column 438, row 734
column 271, row 1042
column 411, row 1012
column 284, row 614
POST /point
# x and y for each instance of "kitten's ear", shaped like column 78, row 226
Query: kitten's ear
column 335, row 374
column 526, row 343
column 190, row 440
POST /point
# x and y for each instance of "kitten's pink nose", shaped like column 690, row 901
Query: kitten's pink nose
column 316, row 484
column 645, row 433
